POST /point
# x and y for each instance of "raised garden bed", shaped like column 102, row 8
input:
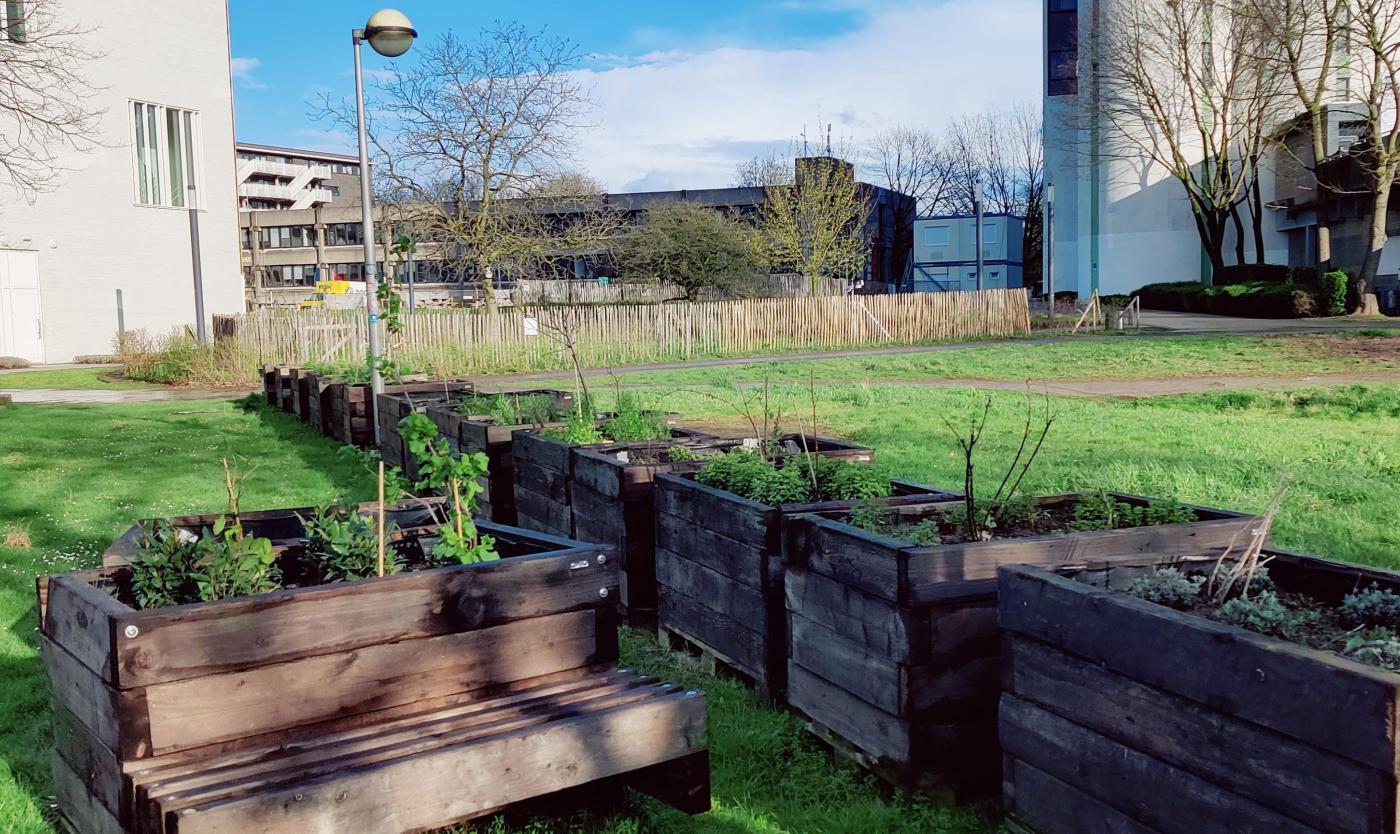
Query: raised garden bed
column 469, row 433
column 272, row 384
column 612, row 492
column 895, row 649
column 403, row 703
column 1124, row 715
column 394, row 405
column 719, row 570
column 286, row 390
column 347, row 408
column 544, row 471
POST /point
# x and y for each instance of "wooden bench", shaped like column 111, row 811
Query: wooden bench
column 401, row 704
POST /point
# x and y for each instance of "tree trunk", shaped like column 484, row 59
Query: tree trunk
column 1239, row 233
column 1324, row 196
column 1256, row 198
column 488, row 287
column 1364, row 289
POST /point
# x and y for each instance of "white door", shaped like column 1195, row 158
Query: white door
column 21, row 324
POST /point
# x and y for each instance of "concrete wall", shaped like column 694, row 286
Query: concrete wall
column 91, row 236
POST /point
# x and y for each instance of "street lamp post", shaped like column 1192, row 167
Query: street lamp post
column 977, row 210
column 390, row 34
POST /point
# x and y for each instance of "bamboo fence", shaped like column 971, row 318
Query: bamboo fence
column 464, row 342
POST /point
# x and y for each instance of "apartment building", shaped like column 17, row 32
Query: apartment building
column 945, row 253
column 111, row 242
column 275, row 179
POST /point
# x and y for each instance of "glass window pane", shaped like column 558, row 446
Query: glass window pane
column 175, row 157
column 191, row 172
column 153, row 154
column 142, row 183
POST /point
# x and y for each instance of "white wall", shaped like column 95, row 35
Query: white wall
column 91, row 236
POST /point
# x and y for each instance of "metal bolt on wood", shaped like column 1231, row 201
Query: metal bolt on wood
column 602, row 592
column 602, row 559
column 131, row 632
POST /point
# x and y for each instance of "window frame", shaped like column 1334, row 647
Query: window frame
column 151, row 185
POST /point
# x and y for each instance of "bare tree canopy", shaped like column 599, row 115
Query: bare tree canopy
column 46, row 107
column 471, row 133
column 762, row 172
column 693, row 246
column 1184, row 86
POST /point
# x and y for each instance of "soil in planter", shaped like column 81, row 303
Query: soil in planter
column 1364, row 627
column 1019, row 519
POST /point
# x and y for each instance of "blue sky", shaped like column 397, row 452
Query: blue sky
column 683, row 90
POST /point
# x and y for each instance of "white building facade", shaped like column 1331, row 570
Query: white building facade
column 1119, row 222
column 111, row 242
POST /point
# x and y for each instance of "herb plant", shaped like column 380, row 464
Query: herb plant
column 176, row 567
column 1101, row 511
column 344, row 545
column 1373, row 607
column 799, row 479
column 1169, row 587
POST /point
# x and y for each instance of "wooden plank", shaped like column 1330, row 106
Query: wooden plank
column 682, row 783
column 1152, row 792
column 91, row 761
column 873, row 679
column 194, row 640
column 80, row 809
column 692, row 579
column 719, row 512
column 215, row 708
column 83, row 619
column 746, row 562
column 538, row 512
column 1317, row 697
column 1049, row 806
column 115, row 718
column 1297, row 779
column 957, row 570
column 881, row 735
column 457, row 783
column 854, row 557
column 899, row 634
column 739, row 646
column 550, row 484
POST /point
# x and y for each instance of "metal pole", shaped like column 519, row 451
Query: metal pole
column 1048, row 241
column 121, row 315
column 367, row 230
column 977, row 209
column 200, row 328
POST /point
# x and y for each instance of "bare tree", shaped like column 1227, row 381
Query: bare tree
column 816, row 226
column 1183, row 86
column 472, row 131
column 912, row 161
column 46, row 102
column 1373, row 39
column 1300, row 39
column 693, row 246
column 762, row 172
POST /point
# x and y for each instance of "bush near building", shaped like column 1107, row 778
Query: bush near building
column 1253, row 299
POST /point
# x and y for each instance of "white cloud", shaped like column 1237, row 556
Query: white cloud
column 243, row 69
column 687, row 119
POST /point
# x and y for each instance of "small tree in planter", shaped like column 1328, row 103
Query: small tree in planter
column 459, row 475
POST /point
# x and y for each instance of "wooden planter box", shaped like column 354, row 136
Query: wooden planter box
column 272, row 386
column 347, row 409
column 611, row 494
column 719, row 571
column 1122, row 715
column 473, row 433
column 395, row 404
column 544, row 471
column 316, row 400
column 286, row 390
column 895, row 651
column 301, row 393
column 384, row 705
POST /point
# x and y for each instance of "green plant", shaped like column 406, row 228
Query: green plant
column 781, row 485
column 634, row 424
column 843, row 480
column 734, row 472
column 345, row 546
column 576, row 431
column 460, row 476
column 235, row 565
column 1101, row 511
column 1376, row 647
column 1332, row 293
column 162, row 574
column 1017, row 512
column 1374, row 606
column 975, row 519
column 1265, row 613
column 1169, row 587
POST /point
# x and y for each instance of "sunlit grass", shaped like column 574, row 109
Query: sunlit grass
column 67, row 379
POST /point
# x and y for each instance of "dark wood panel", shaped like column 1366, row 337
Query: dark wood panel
column 1317, row 697
column 1048, row 806
column 740, row 646
column 81, row 810
column 878, row 733
column 692, row 579
column 746, row 562
column 83, row 620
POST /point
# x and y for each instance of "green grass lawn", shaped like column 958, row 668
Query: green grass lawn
column 68, row 379
column 73, row 477
column 1161, row 357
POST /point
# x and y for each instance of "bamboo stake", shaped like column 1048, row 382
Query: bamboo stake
column 381, row 518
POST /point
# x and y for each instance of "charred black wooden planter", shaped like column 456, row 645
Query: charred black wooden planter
column 895, row 649
column 471, row 433
column 1122, row 715
column 397, row 403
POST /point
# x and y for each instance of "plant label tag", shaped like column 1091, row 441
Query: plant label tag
column 751, row 443
column 532, row 326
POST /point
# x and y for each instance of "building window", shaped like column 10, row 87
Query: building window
column 13, row 21
column 291, row 275
column 287, row 237
column 164, row 141
column 936, row 236
column 990, row 233
column 345, row 234
column 1062, row 47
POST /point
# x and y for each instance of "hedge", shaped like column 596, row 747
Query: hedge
column 1252, row 274
column 1255, row 299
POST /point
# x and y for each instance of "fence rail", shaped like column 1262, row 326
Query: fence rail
column 591, row 292
column 531, row 338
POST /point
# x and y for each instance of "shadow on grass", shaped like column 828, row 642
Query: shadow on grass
column 26, row 735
